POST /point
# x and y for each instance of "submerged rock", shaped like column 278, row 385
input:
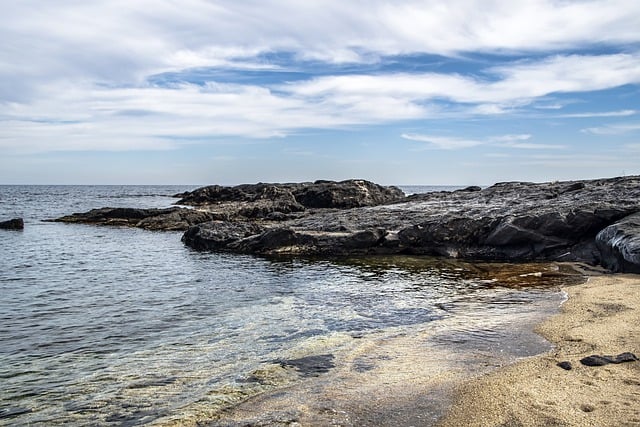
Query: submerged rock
column 12, row 224
column 310, row 366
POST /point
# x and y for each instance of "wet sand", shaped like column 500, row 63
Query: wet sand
column 601, row 317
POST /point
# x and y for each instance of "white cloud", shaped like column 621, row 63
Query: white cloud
column 618, row 113
column 618, row 129
column 456, row 143
column 73, row 74
column 511, row 138
column 518, row 84
column 148, row 117
column 124, row 41
column 443, row 142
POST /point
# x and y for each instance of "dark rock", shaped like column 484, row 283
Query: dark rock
column 625, row 357
column 12, row 224
column 509, row 221
column 597, row 360
column 171, row 219
column 565, row 365
column 219, row 235
column 294, row 197
column 513, row 221
column 346, row 194
column 470, row 189
column 13, row 412
column 310, row 366
column 619, row 245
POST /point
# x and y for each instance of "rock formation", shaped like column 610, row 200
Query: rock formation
column 12, row 224
column 295, row 197
column 594, row 221
column 514, row 221
column 619, row 245
column 170, row 219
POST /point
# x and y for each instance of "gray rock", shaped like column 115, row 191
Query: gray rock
column 219, row 235
column 598, row 360
column 515, row 221
column 295, row 197
column 619, row 245
column 170, row 219
column 566, row 365
column 593, row 221
column 12, row 224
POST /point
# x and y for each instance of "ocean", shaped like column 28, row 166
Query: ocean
column 114, row 326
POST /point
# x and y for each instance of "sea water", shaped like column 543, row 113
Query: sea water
column 121, row 326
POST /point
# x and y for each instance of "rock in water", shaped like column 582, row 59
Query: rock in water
column 12, row 224
column 170, row 219
column 297, row 196
column 619, row 245
column 512, row 221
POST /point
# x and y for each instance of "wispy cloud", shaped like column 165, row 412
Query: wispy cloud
column 443, row 142
column 167, row 75
column 156, row 115
column 516, row 84
column 617, row 129
column 618, row 113
column 456, row 143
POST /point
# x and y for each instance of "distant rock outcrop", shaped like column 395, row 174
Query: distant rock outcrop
column 170, row 219
column 295, row 197
column 12, row 224
column 593, row 221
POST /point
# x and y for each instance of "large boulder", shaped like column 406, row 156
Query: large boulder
column 12, row 224
column 346, row 194
column 619, row 245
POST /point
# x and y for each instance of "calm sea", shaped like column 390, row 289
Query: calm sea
column 118, row 326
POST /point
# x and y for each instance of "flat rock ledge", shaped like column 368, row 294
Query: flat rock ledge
column 170, row 219
column 593, row 221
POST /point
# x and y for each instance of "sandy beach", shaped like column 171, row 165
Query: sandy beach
column 600, row 317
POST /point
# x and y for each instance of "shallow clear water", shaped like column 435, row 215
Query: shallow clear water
column 119, row 326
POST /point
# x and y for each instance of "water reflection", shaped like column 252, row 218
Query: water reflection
column 124, row 326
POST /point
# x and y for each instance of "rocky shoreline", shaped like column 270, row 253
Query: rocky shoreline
column 592, row 221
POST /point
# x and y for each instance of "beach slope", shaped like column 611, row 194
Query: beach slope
column 601, row 317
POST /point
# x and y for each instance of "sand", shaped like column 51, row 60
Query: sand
column 601, row 316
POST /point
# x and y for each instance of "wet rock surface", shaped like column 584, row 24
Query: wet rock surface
column 310, row 366
column 12, row 224
column 513, row 221
column 619, row 244
column 592, row 221
column 171, row 219
column 295, row 197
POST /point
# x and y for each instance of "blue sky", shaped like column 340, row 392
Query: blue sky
column 403, row 92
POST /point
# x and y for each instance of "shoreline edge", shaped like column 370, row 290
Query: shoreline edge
column 601, row 316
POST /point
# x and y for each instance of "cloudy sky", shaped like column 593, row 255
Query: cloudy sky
column 403, row 92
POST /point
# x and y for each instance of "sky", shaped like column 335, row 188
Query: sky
column 406, row 92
